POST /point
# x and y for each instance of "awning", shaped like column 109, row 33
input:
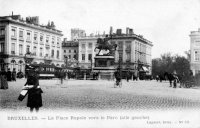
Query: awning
column 145, row 68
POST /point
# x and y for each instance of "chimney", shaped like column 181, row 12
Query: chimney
column 111, row 30
column 127, row 30
column 130, row 31
column 12, row 13
column 119, row 31
column 65, row 40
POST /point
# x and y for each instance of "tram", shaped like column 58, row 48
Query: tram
column 46, row 71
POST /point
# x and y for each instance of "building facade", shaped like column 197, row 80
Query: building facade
column 86, row 51
column 21, row 39
column 70, row 52
column 134, row 52
column 195, row 51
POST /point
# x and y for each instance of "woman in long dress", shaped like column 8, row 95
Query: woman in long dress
column 3, row 80
column 34, row 91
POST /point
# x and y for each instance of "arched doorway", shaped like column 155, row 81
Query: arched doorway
column 20, row 65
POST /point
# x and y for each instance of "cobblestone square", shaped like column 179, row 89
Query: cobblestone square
column 101, row 95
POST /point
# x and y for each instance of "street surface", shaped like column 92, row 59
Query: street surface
column 101, row 95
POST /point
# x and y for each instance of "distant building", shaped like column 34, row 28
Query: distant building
column 195, row 51
column 77, row 33
column 70, row 51
column 18, row 37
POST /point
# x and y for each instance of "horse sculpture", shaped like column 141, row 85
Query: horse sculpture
column 103, row 44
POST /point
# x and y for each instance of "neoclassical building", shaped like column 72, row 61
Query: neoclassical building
column 86, row 51
column 195, row 51
column 20, row 38
column 134, row 50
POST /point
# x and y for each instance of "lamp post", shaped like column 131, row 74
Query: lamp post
column 91, row 64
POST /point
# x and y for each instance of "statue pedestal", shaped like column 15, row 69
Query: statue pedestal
column 104, row 65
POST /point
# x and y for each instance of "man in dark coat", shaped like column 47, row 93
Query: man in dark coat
column 62, row 76
column 9, row 75
column 128, row 76
column 14, row 75
column 117, row 76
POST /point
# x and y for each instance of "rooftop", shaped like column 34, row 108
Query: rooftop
column 31, row 22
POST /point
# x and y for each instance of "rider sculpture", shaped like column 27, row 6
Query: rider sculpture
column 104, row 44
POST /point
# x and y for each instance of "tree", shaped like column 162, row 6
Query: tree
column 188, row 54
column 169, row 63
column 181, row 65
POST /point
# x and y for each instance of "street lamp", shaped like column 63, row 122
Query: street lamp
column 91, row 64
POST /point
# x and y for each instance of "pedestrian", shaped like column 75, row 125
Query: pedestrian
column 34, row 90
column 3, row 80
column 62, row 75
column 9, row 75
column 14, row 75
column 176, row 80
column 128, row 76
column 57, row 75
column 157, row 78
column 118, row 76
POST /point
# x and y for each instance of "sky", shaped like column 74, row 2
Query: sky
column 166, row 23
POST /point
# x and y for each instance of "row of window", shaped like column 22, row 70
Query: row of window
column 2, row 31
column 197, row 55
column 83, row 45
column 127, row 56
column 141, row 57
column 70, row 51
column 72, row 56
column 140, row 47
column 35, row 36
column 34, row 52
column 1, row 47
column 89, row 57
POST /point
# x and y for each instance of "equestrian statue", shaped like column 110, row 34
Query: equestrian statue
column 105, row 44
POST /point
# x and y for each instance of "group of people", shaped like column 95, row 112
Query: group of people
column 7, row 76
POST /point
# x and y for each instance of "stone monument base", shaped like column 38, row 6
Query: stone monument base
column 104, row 66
